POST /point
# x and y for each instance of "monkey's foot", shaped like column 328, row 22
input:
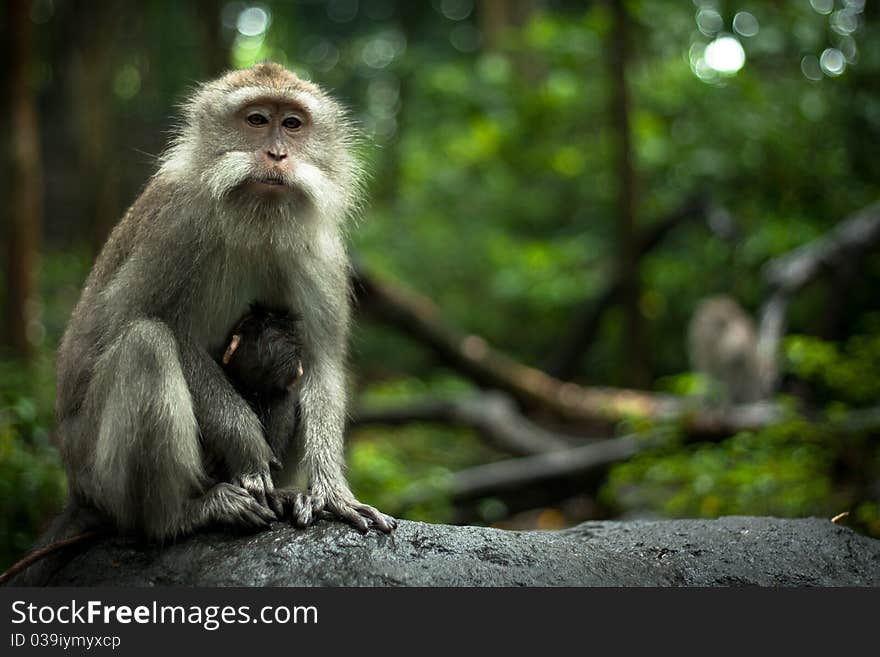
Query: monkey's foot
column 304, row 508
column 233, row 505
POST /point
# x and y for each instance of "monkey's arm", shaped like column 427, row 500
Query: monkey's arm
column 322, row 406
column 231, row 432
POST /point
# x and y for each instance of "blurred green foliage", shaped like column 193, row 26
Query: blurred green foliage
column 493, row 193
column 32, row 484
column 385, row 464
column 779, row 471
column 847, row 373
column 796, row 468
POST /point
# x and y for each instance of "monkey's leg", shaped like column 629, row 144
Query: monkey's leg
column 231, row 432
column 280, row 423
column 280, row 420
column 322, row 404
column 144, row 467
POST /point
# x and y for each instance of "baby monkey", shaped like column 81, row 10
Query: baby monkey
column 263, row 361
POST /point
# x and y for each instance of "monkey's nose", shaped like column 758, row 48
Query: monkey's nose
column 276, row 155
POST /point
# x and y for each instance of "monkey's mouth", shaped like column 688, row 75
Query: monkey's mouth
column 271, row 179
column 268, row 185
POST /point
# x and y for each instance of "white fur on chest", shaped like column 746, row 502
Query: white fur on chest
column 228, row 284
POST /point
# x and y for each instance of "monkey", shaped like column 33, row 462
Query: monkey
column 723, row 345
column 264, row 362
column 249, row 203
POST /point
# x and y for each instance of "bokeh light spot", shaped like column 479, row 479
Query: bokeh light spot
column 810, row 67
column 845, row 21
column 745, row 24
column 247, row 51
column 847, row 45
column 709, row 21
column 322, row 54
column 833, row 62
column 253, row 21
column 822, row 6
column 127, row 82
column 456, row 10
column 383, row 49
column 725, row 55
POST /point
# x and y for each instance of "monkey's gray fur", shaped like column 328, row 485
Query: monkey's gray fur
column 142, row 408
column 723, row 345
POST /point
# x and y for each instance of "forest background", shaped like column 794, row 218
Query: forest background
column 556, row 186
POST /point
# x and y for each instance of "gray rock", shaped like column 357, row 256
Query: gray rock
column 729, row 551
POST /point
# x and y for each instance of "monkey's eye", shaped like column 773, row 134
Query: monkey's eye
column 292, row 123
column 257, row 119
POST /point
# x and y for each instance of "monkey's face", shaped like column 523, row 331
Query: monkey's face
column 281, row 149
column 264, row 138
column 274, row 131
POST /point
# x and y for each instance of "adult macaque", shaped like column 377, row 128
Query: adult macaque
column 723, row 345
column 247, row 206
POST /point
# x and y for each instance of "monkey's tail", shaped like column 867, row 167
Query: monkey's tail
column 75, row 526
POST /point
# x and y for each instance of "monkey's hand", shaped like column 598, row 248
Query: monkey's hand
column 257, row 480
column 319, row 503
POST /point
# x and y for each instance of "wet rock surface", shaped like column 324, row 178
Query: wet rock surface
column 734, row 551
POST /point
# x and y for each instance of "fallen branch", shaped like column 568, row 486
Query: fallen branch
column 517, row 474
column 493, row 415
column 850, row 239
column 470, row 355
column 514, row 474
column 790, row 273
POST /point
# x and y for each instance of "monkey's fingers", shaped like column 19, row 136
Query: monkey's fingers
column 240, row 509
column 280, row 501
column 256, row 516
column 361, row 516
column 257, row 484
column 230, row 350
column 306, row 509
column 381, row 520
column 351, row 515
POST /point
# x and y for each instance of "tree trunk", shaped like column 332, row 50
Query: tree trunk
column 571, row 346
column 91, row 93
column 637, row 369
column 25, row 183
column 494, row 17
column 216, row 53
